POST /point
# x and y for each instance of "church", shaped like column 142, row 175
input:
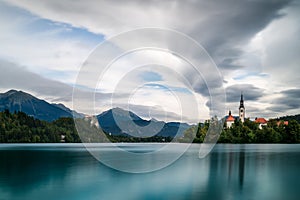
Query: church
column 260, row 121
column 230, row 119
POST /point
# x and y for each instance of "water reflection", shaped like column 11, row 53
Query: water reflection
column 241, row 167
column 23, row 170
column 231, row 159
column 230, row 165
column 229, row 172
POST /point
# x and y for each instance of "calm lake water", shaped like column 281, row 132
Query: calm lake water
column 68, row 171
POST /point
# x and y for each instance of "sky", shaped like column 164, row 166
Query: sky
column 169, row 60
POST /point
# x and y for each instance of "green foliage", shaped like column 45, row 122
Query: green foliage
column 249, row 132
column 20, row 128
column 291, row 117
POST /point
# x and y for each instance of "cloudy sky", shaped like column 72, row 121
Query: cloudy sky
column 247, row 46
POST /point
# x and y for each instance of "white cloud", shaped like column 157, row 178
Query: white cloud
column 250, row 43
column 40, row 45
column 271, row 62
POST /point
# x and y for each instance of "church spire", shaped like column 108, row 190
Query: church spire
column 242, row 109
column 242, row 101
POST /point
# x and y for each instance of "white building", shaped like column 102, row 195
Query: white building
column 242, row 110
column 230, row 119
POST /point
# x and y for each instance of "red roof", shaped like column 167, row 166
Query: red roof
column 261, row 120
column 230, row 118
column 284, row 122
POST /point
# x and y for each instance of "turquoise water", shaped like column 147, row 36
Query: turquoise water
column 68, row 171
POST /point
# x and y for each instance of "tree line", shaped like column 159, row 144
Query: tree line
column 249, row 132
column 18, row 127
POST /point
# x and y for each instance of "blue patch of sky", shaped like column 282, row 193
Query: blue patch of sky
column 57, row 74
column 246, row 75
column 151, row 76
column 34, row 25
column 12, row 12
column 63, row 31
column 168, row 88
column 83, row 88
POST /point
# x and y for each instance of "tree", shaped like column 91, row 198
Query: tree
column 292, row 132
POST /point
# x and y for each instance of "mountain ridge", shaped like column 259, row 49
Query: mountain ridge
column 14, row 101
column 117, row 121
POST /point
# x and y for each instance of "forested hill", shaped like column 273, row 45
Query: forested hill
column 18, row 127
column 291, row 117
column 16, row 101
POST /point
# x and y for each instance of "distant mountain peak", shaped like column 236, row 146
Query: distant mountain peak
column 17, row 96
column 12, row 91
column 118, row 121
column 120, row 113
column 14, row 100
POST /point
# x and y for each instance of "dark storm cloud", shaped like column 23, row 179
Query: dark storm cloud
column 235, row 26
column 222, row 27
column 278, row 108
column 290, row 100
column 292, row 93
column 201, row 88
column 250, row 92
column 228, row 64
column 17, row 77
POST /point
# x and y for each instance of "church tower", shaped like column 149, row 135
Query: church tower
column 242, row 109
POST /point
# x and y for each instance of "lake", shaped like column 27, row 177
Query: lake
column 68, row 171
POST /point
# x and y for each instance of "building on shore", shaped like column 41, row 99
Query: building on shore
column 230, row 119
column 242, row 109
column 261, row 122
column 282, row 122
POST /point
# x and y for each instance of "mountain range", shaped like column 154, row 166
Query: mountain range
column 115, row 121
column 118, row 121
